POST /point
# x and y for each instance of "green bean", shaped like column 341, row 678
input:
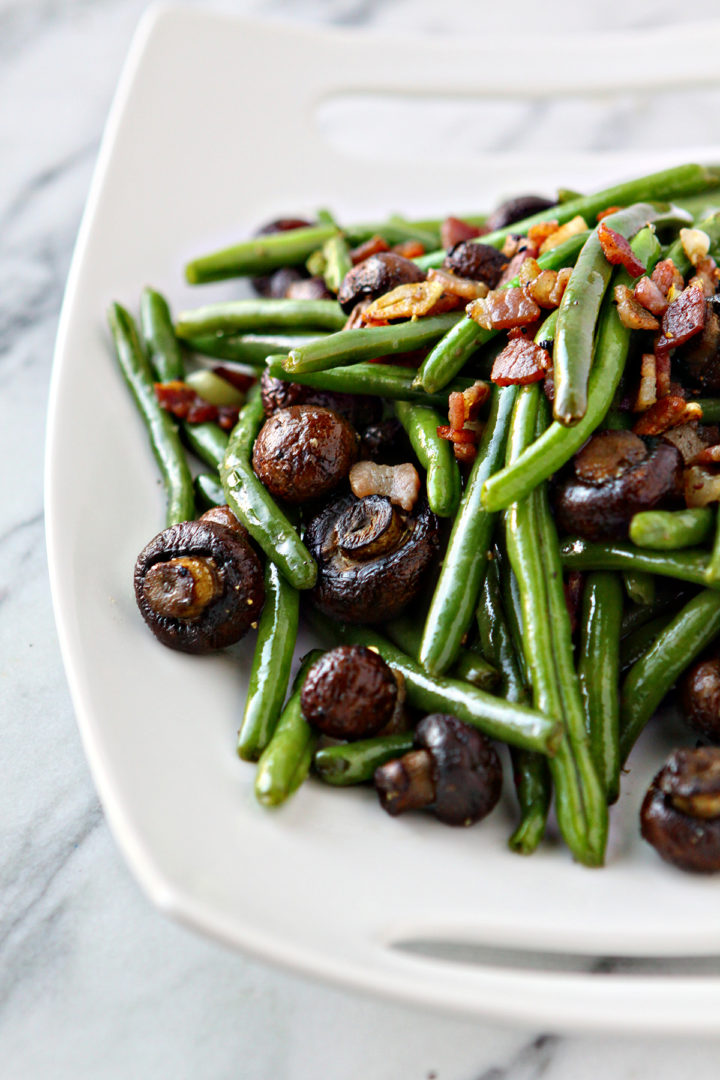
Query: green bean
column 453, row 351
column 579, row 311
column 162, row 347
column 649, row 680
column 599, row 673
column 557, row 445
column 688, row 565
column 434, row 454
column 356, row 762
column 367, row 343
column 669, row 598
column 710, row 409
column 405, row 631
column 285, row 761
column 636, row 644
column 232, row 316
column 208, row 491
column 515, row 724
column 164, row 438
column 251, row 349
column 660, row 186
column 712, row 571
column 207, row 441
column 456, row 594
column 512, row 603
column 639, row 586
column 530, row 771
column 671, row 530
column 384, row 380
column 252, row 504
column 337, row 262
column 272, row 660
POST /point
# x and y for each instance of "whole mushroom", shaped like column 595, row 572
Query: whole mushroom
column 304, row 452
column 454, row 770
column 614, row 477
column 700, row 698
column 199, row 585
column 372, row 556
column 516, row 209
column 680, row 815
column 376, row 276
column 477, row 261
column 349, row 693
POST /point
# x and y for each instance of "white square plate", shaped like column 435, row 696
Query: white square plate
column 213, row 131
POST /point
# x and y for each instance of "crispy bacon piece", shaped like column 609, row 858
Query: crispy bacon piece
column 400, row 483
column 650, row 295
column 607, row 211
column 563, row 276
column 662, row 374
column 667, row 276
column 409, row 249
column 465, row 288
column 684, row 318
column 543, row 289
column 182, row 402
column 576, row 225
column 415, row 299
column 632, row 314
column 373, row 246
column 457, row 435
column 617, row 250
column 513, row 268
column 710, row 455
column 504, row 309
column 528, row 271
column 516, row 244
column 453, row 230
column 519, row 363
column 539, row 233
column 465, row 452
column 238, row 379
column 669, row 412
column 647, row 391
column 706, row 276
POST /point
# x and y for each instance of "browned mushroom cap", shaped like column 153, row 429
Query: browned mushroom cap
column 477, row 261
column 700, row 357
column 615, row 477
column 372, row 557
column 375, row 276
column 516, row 209
column 199, row 586
column 700, row 697
column 304, row 452
column 359, row 409
column 455, row 770
column 276, row 285
column 680, row 815
column 350, row 693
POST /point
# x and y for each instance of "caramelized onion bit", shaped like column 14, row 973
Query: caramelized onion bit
column 576, row 225
column 631, row 313
column 695, row 244
column 405, row 302
column 701, row 486
column 504, row 309
column 519, row 363
column 452, row 285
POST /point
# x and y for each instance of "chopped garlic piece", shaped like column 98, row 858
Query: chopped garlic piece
column 695, row 243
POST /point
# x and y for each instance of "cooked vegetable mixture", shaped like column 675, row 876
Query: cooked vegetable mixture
column 480, row 456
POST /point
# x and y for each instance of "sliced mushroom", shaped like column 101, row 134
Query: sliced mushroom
column 517, row 209
column 275, row 285
column 376, row 276
column 360, row 409
column 372, row 557
column 304, row 452
column 614, row 478
column 477, row 261
column 199, row 586
column 349, row 693
column 700, row 698
column 680, row 815
column 454, row 770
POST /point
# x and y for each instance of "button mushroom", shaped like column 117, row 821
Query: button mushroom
column 304, row 452
column 275, row 285
column 700, row 698
column 516, row 209
column 455, row 771
column 477, row 261
column 349, row 693
column 372, row 557
column 614, row 477
column 199, row 585
column 376, row 276
column 360, row 409
column 680, row 814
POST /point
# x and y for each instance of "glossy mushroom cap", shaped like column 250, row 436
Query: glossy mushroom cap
column 199, row 586
column 477, row 261
column 304, row 452
column 700, row 698
column 376, row 276
column 349, row 693
column 680, row 815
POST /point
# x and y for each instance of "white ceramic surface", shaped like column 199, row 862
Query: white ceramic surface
column 327, row 884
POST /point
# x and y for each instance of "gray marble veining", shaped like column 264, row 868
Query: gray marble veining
column 94, row 983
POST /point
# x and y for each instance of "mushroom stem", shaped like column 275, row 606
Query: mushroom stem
column 406, row 783
column 182, row 588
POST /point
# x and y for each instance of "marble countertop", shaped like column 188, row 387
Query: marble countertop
column 94, row 983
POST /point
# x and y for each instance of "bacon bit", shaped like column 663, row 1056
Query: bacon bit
column 465, row 405
column 519, row 363
column 684, row 318
column 465, row 288
column 453, row 230
column 465, row 452
column 667, row 413
column 409, row 249
column 688, row 439
column 456, row 410
column 647, row 391
column 374, row 246
column 701, row 486
column 617, row 250
column 650, row 295
column 563, row 276
column 667, row 276
column 503, row 309
column 408, row 301
column 528, row 271
column 400, row 483
column 710, row 455
column 544, row 288
column 516, row 244
column 707, row 276
column 570, row 228
column 539, row 233
column 182, row 402
column 662, row 371
column 513, row 268
column 457, row 435
column 608, row 210
column 695, row 244
column 633, row 315
column 238, row 379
